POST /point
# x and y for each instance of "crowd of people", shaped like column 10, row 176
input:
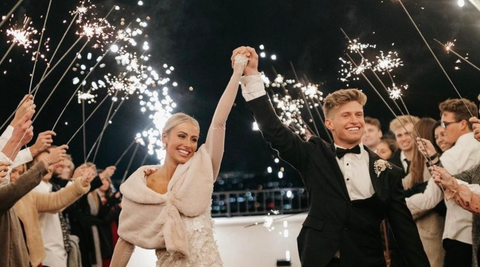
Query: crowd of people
column 429, row 151
column 421, row 184
column 52, row 214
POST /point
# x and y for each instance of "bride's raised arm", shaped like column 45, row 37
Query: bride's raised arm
column 215, row 140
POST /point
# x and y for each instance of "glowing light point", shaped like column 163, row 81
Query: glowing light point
column 461, row 3
column 273, row 57
column 114, row 48
column 140, row 3
column 262, row 47
column 262, row 54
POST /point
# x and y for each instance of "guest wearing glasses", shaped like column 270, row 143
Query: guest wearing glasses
column 465, row 154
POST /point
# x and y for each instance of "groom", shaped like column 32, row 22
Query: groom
column 351, row 190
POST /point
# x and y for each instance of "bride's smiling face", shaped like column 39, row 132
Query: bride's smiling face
column 181, row 142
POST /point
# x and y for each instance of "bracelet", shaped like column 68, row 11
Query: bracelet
column 433, row 157
column 48, row 161
column 433, row 164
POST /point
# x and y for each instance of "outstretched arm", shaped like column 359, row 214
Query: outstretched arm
column 216, row 133
column 289, row 145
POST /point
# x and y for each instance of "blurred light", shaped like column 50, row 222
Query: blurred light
column 276, row 160
column 285, row 233
column 140, row 3
column 273, row 57
column 461, row 3
column 289, row 194
column 262, row 47
column 114, row 48
column 287, row 255
column 269, row 169
column 262, row 54
column 255, row 126
column 280, row 175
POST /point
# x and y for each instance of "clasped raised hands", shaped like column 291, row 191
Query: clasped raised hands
column 251, row 67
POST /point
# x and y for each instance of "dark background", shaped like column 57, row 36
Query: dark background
column 197, row 37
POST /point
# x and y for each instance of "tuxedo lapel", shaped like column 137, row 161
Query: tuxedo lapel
column 338, row 176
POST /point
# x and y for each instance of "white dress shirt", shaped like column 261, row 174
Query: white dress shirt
column 51, row 228
column 355, row 171
column 354, row 167
column 404, row 159
column 23, row 155
column 464, row 155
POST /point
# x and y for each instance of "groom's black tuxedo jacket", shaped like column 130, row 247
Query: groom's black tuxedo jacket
column 335, row 223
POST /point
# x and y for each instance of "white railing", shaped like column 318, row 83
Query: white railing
column 259, row 202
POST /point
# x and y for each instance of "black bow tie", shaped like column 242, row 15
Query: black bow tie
column 341, row 152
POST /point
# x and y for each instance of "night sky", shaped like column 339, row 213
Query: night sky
column 197, row 37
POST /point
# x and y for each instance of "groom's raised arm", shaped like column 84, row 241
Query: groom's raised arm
column 290, row 146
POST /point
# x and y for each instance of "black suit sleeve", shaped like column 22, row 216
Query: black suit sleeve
column 290, row 146
column 403, row 227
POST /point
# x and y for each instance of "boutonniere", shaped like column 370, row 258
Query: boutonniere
column 380, row 165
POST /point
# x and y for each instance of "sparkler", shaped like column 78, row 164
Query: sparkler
column 130, row 163
column 86, row 120
column 55, row 88
column 448, row 47
column 21, row 37
column 435, row 57
column 108, row 121
column 39, row 45
column 10, row 12
column 312, row 92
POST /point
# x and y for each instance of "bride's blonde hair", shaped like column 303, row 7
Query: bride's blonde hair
column 176, row 119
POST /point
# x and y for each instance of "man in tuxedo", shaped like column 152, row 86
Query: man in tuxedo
column 402, row 128
column 351, row 190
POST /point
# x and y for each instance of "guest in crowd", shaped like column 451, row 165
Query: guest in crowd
column 402, row 128
column 372, row 135
column 32, row 204
column 386, row 148
column 457, row 234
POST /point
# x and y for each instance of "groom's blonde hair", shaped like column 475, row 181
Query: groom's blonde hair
column 341, row 97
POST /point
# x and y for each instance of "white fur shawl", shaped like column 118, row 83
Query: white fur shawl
column 152, row 220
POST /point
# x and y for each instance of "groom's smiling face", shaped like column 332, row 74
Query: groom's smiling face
column 347, row 124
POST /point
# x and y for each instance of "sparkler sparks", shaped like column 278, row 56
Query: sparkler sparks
column 22, row 36
column 386, row 63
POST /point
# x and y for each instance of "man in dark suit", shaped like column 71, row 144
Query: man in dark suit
column 402, row 128
column 351, row 189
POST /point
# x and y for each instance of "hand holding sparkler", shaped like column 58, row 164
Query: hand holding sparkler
column 4, row 170
column 443, row 179
column 22, row 134
column 81, row 170
column 476, row 127
column 44, row 141
column 24, row 106
column 87, row 177
column 108, row 172
column 55, row 155
column 426, row 148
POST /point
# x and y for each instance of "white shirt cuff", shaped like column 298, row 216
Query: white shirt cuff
column 252, row 87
